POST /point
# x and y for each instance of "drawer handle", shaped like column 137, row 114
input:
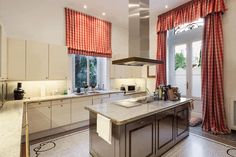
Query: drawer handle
column 141, row 122
column 39, row 103
column 61, row 105
column 49, row 107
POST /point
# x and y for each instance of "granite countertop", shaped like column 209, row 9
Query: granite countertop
column 121, row 115
column 72, row 95
column 11, row 118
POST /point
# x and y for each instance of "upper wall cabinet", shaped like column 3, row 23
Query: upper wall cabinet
column 16, row 59
column 3, row 54
column 58, row 62
column 36, row 61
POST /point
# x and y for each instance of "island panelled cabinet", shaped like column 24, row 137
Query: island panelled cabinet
column 147, row 137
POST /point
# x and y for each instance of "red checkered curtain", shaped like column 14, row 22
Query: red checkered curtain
column 87, row 35
column 214, row 118
column 161, row 55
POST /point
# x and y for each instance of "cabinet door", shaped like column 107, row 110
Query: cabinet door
column 39, row 116
column 78, row 112
column 165, row 131
column 58, row 62
column 3, row 54
column 16, row 58
column 97, row 100
column 140, row 138
column 182, row 122
column 36, row 61
column 60, row 115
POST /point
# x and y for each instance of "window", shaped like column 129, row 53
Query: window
column 89, row 70
column 189, row 26
column 184, row 58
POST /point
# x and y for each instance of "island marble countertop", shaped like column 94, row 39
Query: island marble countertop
column 11, row 118
column 120, row 115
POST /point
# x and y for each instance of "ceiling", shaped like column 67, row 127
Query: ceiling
column 117, row 10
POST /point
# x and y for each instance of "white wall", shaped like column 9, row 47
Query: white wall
column 44, row 21
column 229, row 25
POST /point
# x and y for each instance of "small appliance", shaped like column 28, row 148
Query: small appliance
column 19, row 92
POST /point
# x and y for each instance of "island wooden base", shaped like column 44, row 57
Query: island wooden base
column 148, row 137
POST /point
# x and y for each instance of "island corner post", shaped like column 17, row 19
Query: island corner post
column 147, row 136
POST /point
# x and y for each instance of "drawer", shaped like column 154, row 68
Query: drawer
column 40, row 103
column 81, row 99
column 61, row 101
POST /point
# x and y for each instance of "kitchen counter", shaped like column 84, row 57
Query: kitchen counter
column 149, row 129
column 73, row 95
column 121, row 115
column 11, row 118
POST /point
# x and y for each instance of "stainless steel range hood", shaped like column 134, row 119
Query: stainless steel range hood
column 138, row 35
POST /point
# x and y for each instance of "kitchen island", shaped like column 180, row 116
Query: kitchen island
column 144, row 130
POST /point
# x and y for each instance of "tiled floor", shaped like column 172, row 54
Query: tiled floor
column 76, row 145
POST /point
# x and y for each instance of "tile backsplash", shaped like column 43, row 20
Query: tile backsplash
column 38, row 88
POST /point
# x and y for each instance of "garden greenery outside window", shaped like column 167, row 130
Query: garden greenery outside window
column 89, row 70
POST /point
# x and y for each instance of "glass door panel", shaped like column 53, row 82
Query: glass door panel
column 180, row 68
column 196, row 69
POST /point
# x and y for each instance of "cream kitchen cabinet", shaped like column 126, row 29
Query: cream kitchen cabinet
column 97, row 100
column 36, row 61
column 78, row 112
column 39, row 116
column 60, row 112
column 16, row 59
column 3, row 54
column 58, row 62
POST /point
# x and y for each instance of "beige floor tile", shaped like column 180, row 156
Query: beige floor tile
column 76, row 145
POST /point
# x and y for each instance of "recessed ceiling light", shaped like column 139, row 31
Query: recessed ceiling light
column 103, row 13
column 166, row 6
column 85, row 6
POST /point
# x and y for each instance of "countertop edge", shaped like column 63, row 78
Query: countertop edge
column 59, row 97
column 138, row 117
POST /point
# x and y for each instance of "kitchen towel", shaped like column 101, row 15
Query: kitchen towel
column 104, row 128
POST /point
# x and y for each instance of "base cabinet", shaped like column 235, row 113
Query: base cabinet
column 165, row 123
column 78, row 113
column 147, row 137
column 39, row 115
column 140, row 138
column 60, row 113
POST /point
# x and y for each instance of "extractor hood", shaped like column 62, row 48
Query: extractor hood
column 138, row 36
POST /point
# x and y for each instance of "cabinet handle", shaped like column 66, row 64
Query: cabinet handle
column 141, row 122
column 39, row 103
column 61, row 100
column 61, row 105
column 49, row 107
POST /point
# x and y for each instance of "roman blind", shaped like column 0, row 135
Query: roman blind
column 87, row 35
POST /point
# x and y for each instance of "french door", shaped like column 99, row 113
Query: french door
column 185, row 63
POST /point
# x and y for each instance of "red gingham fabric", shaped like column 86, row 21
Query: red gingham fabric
column 214, row 118
column 189, row 12
column 87, row 35
column 161, row 55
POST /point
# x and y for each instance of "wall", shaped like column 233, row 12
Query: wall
column 229, row 25
column 44, row 21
